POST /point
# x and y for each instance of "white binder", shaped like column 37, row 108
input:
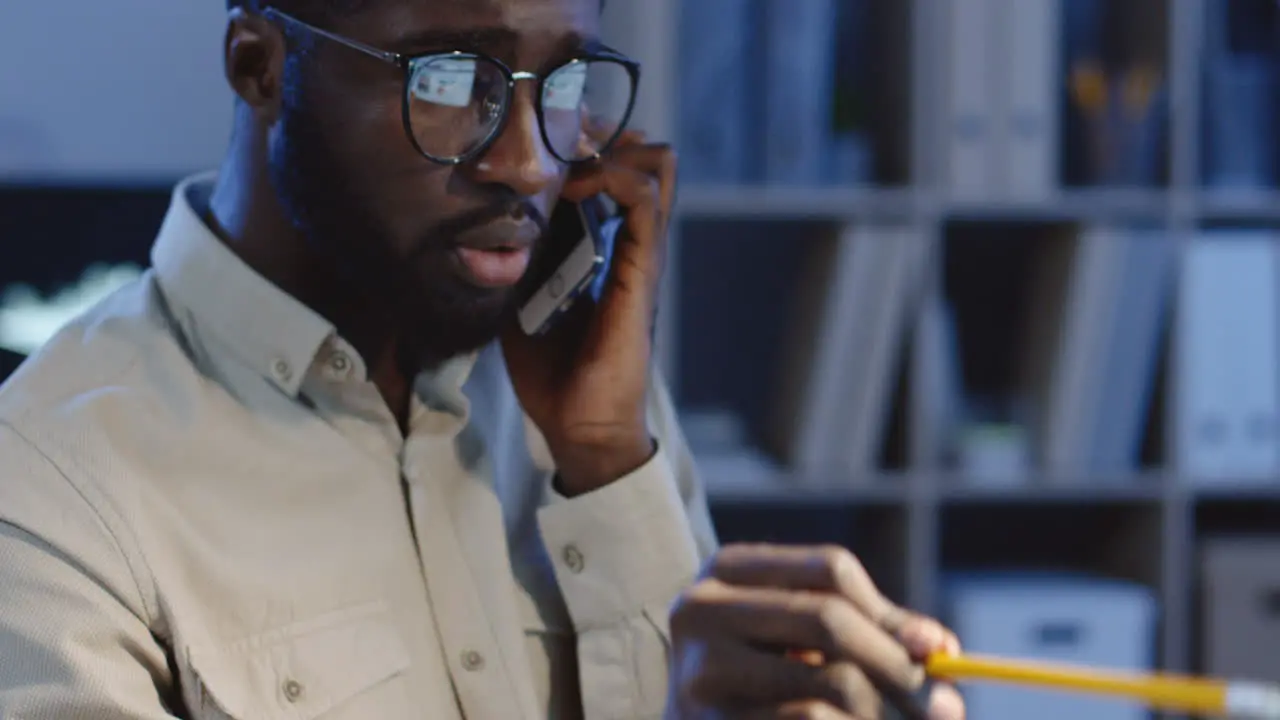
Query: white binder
column 1227, row 391
column 971, row 98
column 886, row 315
column 862, row 256
column 1089, row 304
column 1028, row 131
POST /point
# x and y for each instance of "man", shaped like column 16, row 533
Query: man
column 308, row 467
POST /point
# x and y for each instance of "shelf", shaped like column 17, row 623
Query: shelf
column 834, row 203
column 1146, row 525
column 1261, row 206
column 1083, row 204
column 1138, row 489
column 802, row 203
column 1241, row 492
column 787, row 488
column 728, row 202
column 784, row 488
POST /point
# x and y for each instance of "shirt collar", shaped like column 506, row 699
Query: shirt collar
column 267, row 328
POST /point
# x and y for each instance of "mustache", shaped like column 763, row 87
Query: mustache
column 448, row 231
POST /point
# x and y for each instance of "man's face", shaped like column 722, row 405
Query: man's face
column 403, row 228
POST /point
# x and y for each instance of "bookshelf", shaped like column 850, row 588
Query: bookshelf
column 737, row 274
column 911, row 518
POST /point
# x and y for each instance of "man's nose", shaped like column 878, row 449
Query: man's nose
column 519, row 158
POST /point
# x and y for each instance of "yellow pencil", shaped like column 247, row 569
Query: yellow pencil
column 1172, row 693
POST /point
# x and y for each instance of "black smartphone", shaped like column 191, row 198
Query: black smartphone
column 575, row 261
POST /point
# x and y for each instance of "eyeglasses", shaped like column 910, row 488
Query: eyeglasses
column 456, row 104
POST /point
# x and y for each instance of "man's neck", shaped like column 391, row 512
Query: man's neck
column 245, row 212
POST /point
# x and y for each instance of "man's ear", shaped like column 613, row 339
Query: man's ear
column 253, row 59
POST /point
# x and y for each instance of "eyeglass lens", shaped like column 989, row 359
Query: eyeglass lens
column 456, row 105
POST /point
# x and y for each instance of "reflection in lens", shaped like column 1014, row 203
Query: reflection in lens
column 455, row 103
column 603, row 87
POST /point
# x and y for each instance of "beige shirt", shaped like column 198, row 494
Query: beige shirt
column 206, row 510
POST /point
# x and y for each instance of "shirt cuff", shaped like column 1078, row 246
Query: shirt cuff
column 622, row 547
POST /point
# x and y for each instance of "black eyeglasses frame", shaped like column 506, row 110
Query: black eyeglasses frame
column 408, row 64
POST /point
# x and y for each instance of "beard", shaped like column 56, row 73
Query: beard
column 434, row 314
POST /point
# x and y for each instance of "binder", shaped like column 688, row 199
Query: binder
column 1027, row 138
column 1090, row 303
column 850, row 159
column 1240, row 90
column 971, row 61
column 799, row 74
column 716, row 82
column 820, row 381
column 888, row 302
column 1132, row 353
column 1227, row 392
column 939, row 399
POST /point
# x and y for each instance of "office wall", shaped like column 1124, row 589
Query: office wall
column 111, row 90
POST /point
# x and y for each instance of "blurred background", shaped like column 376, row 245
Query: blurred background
column 985, row 290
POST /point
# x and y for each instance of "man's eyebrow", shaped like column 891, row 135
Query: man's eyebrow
column 490, row 39
column 456, row 39
column 575, row 42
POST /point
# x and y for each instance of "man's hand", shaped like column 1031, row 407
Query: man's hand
column 584, row 384
column 777, row 633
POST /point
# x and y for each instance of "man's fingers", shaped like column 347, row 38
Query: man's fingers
column 629, row 186
column 658, row 160
column 802, row 710
column 635, row 270
column 628, row 138
column 597, row 130
column 945, row 703
column 788, row 619
column 824, row 569
column 738, row 675
column 640, row 179
column 922, row 636
column 819, row 609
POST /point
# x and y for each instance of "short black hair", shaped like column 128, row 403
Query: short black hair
column 304, row 8
column 310, row 7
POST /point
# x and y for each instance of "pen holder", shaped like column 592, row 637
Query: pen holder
column 1124, row 130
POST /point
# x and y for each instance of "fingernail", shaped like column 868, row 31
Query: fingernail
column 918, row 679
column 952, row 644
column 923, row 637
column 946, row 703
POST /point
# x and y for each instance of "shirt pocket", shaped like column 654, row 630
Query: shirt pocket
column 345, row 664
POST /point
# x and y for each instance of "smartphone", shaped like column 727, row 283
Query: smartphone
column 575, row 262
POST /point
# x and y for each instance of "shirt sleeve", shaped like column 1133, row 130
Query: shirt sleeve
column 73, row 639
column 622, row 555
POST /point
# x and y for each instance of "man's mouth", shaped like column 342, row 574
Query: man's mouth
column 497, row 255
column 494, row 268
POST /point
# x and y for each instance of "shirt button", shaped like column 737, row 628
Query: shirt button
column 292, row 690
column 573, row 558
column 472, row 660
column 281, row 370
